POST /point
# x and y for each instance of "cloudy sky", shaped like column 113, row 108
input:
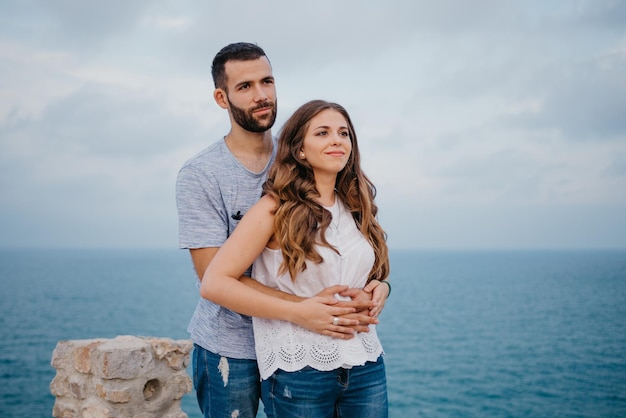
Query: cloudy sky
column 485, row 124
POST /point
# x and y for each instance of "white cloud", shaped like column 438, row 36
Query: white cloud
column 168, row 22
column 480, row 122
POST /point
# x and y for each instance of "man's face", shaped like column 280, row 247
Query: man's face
column 251, row 94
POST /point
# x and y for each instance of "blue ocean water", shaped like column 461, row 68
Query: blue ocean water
column 466, row 334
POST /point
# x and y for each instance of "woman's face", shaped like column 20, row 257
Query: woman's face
column 327, row 144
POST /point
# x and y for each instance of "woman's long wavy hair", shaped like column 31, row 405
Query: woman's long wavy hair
column 300, row 222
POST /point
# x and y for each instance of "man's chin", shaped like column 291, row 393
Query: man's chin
column 266, row 122
column 260, row 128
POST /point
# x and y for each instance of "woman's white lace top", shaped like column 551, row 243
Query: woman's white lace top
column 284, row 345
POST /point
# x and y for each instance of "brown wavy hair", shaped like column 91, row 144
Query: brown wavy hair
column 300, row 222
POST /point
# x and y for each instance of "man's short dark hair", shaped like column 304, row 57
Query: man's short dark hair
column 240, row 51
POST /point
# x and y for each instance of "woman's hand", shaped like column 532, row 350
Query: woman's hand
column 318, row 314
column 353, row 315
column 379, row 292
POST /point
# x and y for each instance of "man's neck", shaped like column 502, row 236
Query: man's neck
column 252, row 149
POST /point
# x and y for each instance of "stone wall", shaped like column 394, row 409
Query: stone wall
column 127, row 376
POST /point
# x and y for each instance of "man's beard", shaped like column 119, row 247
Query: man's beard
column 247, row 120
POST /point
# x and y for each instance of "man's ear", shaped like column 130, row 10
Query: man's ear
column 220, row 98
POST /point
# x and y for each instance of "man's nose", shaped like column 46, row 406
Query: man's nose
column 260, row 95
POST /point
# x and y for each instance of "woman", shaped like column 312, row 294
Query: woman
column 314, row 227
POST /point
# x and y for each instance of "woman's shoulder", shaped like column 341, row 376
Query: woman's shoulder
column 267, row 202
column 263, row 208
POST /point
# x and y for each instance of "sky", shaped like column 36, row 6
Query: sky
column 484, row 124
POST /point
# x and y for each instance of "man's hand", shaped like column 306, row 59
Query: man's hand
column 364, row 304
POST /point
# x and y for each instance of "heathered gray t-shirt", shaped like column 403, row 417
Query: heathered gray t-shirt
column 213, row 192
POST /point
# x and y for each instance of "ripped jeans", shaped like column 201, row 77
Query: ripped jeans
column 359, row 392
column 225, row 387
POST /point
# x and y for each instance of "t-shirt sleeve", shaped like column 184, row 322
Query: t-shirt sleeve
column 202, row 218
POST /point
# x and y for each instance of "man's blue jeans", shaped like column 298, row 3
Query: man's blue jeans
column 225, row 387
column 359, row 392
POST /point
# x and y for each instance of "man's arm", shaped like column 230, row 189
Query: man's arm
column 201, row 258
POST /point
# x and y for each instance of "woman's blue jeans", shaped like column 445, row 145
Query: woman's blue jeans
column 225, row 387
column 359, row 392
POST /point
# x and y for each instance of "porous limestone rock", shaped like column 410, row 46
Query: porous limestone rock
column 126, row 376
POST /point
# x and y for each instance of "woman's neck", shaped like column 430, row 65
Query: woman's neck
column 326, row 189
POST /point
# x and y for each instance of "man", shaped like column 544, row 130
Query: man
column 214, row 190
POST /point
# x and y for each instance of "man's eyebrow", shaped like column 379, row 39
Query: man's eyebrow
column 269, row 77
column 241, row 83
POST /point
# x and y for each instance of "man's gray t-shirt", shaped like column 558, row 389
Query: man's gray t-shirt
column 213, row 192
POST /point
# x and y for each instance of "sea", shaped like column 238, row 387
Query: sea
column 466, row 333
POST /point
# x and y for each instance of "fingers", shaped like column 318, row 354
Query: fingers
column 361, row 328
column 351, row 323
column 342, row 326
column 374, row 312
column 341, row 311
column 379, row 294
column 326, row 300
column 359, row 299
column 360, row 318
column 371, row 286
column 351, row 292
column 333, row 320
column 329, row 291
column 358, row 305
